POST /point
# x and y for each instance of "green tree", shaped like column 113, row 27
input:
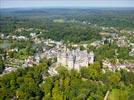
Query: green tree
column 2, row 67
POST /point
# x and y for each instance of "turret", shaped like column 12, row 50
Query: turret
column 91, row 57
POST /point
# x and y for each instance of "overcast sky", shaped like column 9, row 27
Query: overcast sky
column 65, row 3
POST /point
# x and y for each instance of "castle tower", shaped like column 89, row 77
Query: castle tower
column 70, row 62
column 91, row 57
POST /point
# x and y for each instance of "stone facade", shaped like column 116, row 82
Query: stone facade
column 75, row 59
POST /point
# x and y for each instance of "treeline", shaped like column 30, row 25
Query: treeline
column 90, row 83
column 41, row 18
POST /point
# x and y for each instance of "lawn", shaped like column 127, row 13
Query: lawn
column 118, row 94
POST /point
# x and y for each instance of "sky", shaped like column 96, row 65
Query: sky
column 65, row 3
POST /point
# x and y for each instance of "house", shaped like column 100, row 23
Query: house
column 121, row 66
column 107, row 64
column 37, row 58
column 22, row 38
column 29, row 62
column 96, row 43
column 131, row 53
column 122, row 41
column 9, row 69
column 2, row 36
column 32, row 34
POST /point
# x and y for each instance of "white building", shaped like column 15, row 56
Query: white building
column 75, row 59
column 122, row 41
column 9, row 69
column 131, row 53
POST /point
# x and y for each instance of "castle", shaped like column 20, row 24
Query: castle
column 75, row 59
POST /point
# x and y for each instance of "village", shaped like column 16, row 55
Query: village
column 72, row 59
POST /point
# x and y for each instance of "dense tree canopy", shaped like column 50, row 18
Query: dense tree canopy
column 89, row 84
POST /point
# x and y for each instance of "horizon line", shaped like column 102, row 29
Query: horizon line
column 58, row 7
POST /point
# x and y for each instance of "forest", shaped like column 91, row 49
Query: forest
column 120, row 18
column 90, row 83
